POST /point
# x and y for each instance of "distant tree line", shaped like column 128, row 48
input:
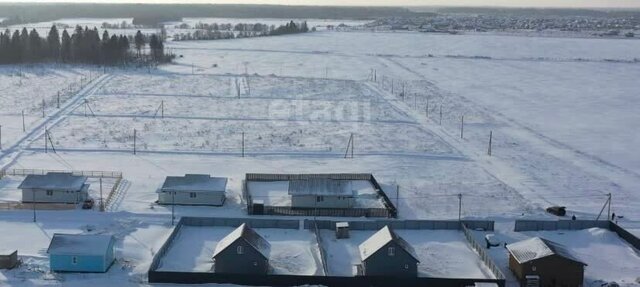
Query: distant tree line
column 153, row 14
column 215, row 31
column 83, row 46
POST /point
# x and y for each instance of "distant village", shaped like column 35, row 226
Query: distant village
column 621, row 26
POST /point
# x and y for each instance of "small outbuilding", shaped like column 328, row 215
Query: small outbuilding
column 243, row 251
column 545, row 262
column 54, row 187
column 193, row 189
column 8, row 259
column 321, row 193
column 81, row 253
column 387, row 254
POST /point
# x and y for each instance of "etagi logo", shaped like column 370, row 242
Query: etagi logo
column 322, row 111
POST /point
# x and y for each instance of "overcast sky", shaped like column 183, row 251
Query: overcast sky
column 510, row 3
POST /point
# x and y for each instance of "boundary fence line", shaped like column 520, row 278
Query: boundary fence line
column 155, row 276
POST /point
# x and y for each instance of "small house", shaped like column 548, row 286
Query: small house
column 387, row 254
column 193, row 189
column 243, row 251
column 81, row 253
column 8, row 259
column 545, row 263
column 54, row 187
column 321, row 193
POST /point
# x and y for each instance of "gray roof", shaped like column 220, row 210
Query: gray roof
column 536, row 248
column 54, row 181
column 79, row 244
column 248, row 235
column 320, row 186
column 380, row 239
column 194, row 183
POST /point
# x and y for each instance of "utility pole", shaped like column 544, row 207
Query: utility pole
column 101, row 202
column 34, row 205
column 427, row 108
column 609, row 208
column 490, row 142
column 242, row 144
column 24, row 127
column 462, row 128
column 43, row 108
column 135, row 132
column 58, row 102
column 45, row 139
column 0, row 137
column 397, row 200
column 460, row 207
column 162, row 108
column 440, row 115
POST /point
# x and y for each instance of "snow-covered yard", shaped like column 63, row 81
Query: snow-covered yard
column 292, row 251
column 442, row 253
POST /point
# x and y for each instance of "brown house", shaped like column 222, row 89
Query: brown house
column 540, row 262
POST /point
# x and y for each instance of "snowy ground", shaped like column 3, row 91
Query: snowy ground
column 292, row 251
column 442, row 253
column 561, row 111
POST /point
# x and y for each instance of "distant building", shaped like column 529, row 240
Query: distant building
column 81, row 253
column 54, row 187
column 242, row 251
column 321, row 193
column 545, row 262
column 8, row 259
column 387, row 254
column 193, row 189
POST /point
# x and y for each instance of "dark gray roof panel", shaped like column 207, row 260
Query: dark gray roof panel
column 194, row 183
column 54, row 181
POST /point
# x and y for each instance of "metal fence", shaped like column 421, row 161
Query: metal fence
column 155, row 276
column 323, row 254
column 388, row 211
column 537, row 225
column 484, row 256
column 403, row 224
column 93, row 174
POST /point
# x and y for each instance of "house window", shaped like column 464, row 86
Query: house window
column 49, row 192
column 319, row 198
column 192, row 195
column 255, row 263
column 391, row 251
column 240, row 250
column 406, row 266
column 74, row 260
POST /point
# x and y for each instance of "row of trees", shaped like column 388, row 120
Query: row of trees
column 216, row 31
column 83, row 46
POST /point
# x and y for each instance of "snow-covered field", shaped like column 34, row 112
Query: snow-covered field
column 562, row 112
column 442, row 253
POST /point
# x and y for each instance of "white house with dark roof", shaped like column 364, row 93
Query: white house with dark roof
column 54, row 187
column 242, row 251
column 387, row 254
column 193, row 189
column 321, row 193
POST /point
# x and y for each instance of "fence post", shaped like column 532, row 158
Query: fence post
column 460, row 207
column 24, row 127
column 462, row 128
column 490, row 141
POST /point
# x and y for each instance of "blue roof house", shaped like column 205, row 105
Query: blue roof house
column 81, row 253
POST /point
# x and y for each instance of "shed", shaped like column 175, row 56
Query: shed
column 193, row 189
column 8, row 259
column 387, row 254
column 551, row 263
column 342, row 230
column 54, row 187
column 81, row 253
column 242, row 251
column 321, row 193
